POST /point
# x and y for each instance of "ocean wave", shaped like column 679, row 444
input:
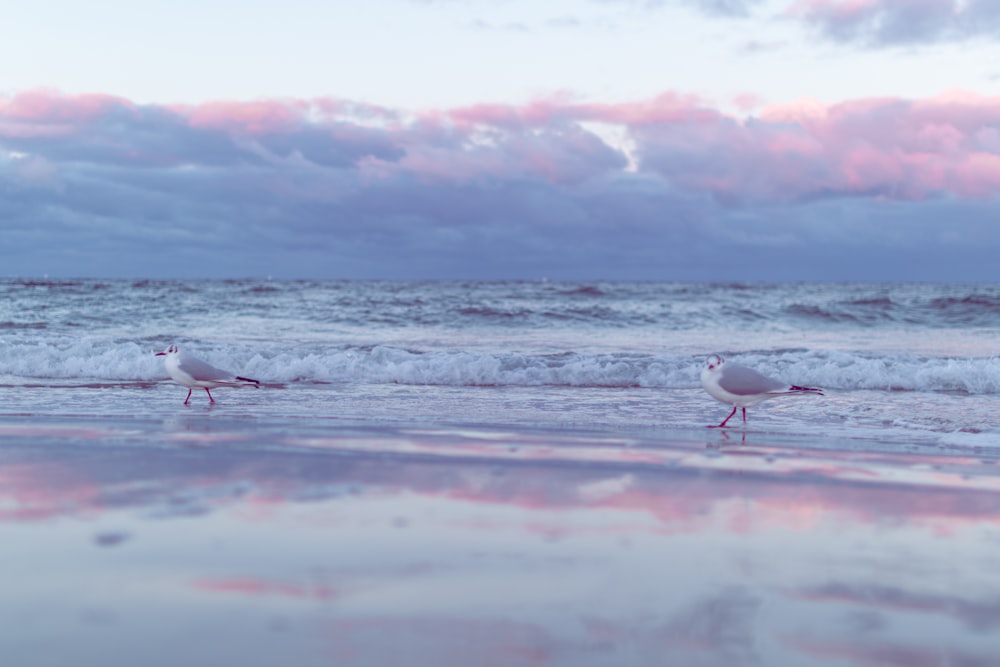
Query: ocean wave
column 582, row 290
column 859, row 312
column 838, row 370
column 976, row 309
column 910, row 304
column 509, row 306
column 82, row 359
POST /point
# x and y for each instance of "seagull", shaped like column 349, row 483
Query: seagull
column 193, row 372
column 743, row 387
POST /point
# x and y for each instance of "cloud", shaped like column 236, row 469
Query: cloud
column 880, row 23
column 329, row 187
column 870, row 23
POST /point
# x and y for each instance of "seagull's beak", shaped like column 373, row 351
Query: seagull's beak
column 160, row 354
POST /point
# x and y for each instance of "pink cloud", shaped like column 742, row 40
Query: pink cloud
column 747, row 101
column 668, row 107
column 881, row 148
column 904, row 148
column 48, row 113
column 54, row 107
column 258, row 117
column 539, row 112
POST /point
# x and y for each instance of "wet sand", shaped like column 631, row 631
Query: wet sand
column 263, row 541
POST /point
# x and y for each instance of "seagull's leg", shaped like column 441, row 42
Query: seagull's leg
column 744, row 415
column 188, row 397
column 212, row 400
column 726, row 419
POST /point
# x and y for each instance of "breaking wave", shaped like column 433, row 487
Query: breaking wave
column 104, row 361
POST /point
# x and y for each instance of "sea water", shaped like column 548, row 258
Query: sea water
column 498, row 473
column 901, row 364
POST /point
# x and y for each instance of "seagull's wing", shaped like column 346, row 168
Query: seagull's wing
column 201, row 371
column 744, row 381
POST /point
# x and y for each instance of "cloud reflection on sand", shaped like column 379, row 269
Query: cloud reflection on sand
column 460, row 547
column 977, row 616
column 677, row 486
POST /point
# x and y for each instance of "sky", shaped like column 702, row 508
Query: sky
column 501, row 139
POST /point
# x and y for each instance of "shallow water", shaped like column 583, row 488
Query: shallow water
column 898, row 362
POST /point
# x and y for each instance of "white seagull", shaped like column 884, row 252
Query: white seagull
column 192, row 372
column 743, row 387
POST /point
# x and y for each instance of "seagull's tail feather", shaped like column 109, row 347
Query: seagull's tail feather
column 248, row 381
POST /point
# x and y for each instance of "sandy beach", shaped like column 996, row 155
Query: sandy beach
column 206, row 535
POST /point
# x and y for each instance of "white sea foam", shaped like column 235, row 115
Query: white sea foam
column 97, row 359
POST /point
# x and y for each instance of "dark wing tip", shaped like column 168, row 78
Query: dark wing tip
column 243, row 379
column 811, row 390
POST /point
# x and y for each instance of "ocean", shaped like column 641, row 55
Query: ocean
column 901, row 364
column 499, row 473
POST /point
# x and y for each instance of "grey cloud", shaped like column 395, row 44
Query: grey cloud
column 886, row 23
column 144, row 192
